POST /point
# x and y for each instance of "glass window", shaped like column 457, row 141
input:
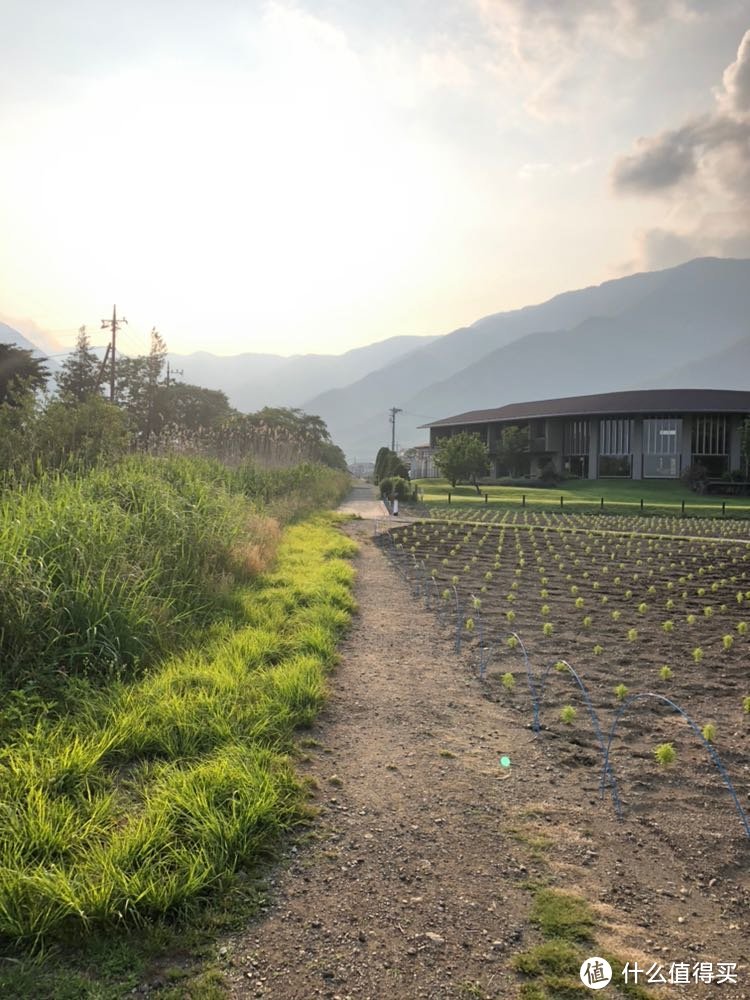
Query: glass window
column 710, row 435
column 576, row 437
column 614, row 467
column 614, row 436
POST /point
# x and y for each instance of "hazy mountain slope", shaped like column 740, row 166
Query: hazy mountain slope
column 255, row 380
column 370, row 398
column 10, row 336
column 725, row 369
column 654, row 326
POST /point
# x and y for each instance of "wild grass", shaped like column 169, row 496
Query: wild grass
column 144, row 798
column 102, row 573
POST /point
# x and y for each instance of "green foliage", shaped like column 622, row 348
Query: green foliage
column 81, row 374
column 389, row 466
column 513, row 447
column 621, row 692
column 101, row 572
column 567, row 715
column 462, row 457
column 746, row 704
column 709, row 732
column 562, row 916
column 148, row 795
column 665, row 754
column 508, row 680
column 666, row 673
column 21, row 375
column 395, row 486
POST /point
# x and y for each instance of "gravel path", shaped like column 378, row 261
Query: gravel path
column 417, row 881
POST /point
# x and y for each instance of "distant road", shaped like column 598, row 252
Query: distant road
column 364, row 501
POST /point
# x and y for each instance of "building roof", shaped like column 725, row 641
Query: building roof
column 620, row 403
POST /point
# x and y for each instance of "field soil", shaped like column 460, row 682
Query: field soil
column 418, row 875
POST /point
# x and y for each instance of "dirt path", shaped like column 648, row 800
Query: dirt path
column 419, row 879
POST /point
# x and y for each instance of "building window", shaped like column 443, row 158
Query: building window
column 710, row 443
column 615, row 435
column 576, row 437
column 662, row 447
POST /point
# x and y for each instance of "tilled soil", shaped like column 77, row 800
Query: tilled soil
column 418, row 880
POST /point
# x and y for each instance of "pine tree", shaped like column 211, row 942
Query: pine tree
column 81, row 374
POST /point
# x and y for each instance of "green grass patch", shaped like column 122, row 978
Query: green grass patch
column 583, row 495
column 145, row 800
column 552, row 967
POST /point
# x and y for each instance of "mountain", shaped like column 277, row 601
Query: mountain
column 728, row 368
column 599, row 339
column 10, row 336
column 255, row 380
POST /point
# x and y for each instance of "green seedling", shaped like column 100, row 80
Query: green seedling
column 567, row 714
column 598, row 650
column 665, row 754
column 632, row 634
column 697, row 654
column 666, row 673
column 508, row 680
column 621, row 692
column 667, row 626
column 709, row 732
column 548, row 628
column 746, row 704
column 727, row 642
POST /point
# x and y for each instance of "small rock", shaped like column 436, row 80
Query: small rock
column 435, row 938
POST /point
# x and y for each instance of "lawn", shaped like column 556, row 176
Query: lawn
column 665, row 496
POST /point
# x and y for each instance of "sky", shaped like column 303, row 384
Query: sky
column 293, row 177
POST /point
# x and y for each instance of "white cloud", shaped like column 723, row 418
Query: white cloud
column 702, row 169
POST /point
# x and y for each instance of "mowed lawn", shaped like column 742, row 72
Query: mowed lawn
column 621, row 495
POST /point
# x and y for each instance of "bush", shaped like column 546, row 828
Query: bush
column 548, row 474
column 398, row 487
column 694, row 474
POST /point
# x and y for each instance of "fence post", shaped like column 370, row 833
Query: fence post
column 683, row 508
column 561, row 503
column 487, row 496
column 641, row 505
column 523, row 499
column 601, row 504
column 449, row 496
column 723, row 508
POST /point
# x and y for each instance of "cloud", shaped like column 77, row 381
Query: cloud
column 702, row 168
column 558, row 45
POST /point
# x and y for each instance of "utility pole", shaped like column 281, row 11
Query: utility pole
column 393, row 411
column 114, row 324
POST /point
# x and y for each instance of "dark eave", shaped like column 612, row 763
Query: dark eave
column 636, row 401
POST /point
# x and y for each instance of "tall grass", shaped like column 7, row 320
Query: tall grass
column 145, row 797
column 102, row 572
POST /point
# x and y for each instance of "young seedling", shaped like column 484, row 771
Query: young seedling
column 727, row 642
column 709, row 732
column 632, row 634
column 510, row 616
column 587, row 621
column 667, row 626
column 560, row 666
column 548, row 628
column 741, row 628
column 697, row 654
column 508, row 681
column 665, row 754
column 567, row 714
column 598, row 650
column 621, row 692
column 666, row 673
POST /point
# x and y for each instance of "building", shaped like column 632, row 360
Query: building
column 419, row 460
column 645, row 434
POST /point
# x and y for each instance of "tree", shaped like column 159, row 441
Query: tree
column 388, row 465
column 21, row 374
column 514, row 443
column 193, row 408
column 462, row 456
column 381, row 460
column 81, row 374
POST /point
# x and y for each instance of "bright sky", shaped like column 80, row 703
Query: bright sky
column 316, row 175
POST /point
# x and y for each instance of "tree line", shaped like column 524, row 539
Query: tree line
column 154, row 412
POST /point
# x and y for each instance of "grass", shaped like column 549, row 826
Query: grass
column 620, row 496
column 144, row 802
column 551, row 968
column 101, row 573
